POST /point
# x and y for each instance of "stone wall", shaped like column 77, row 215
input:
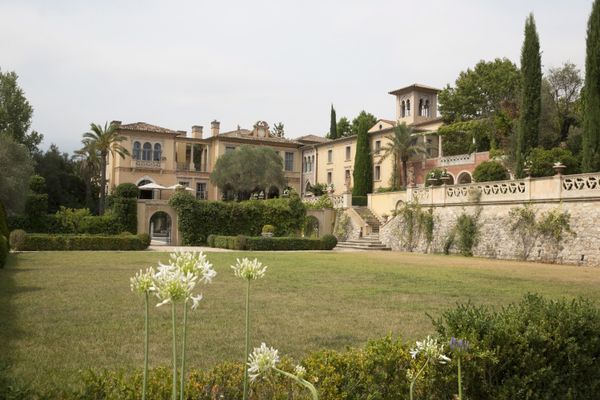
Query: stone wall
column 497, row 241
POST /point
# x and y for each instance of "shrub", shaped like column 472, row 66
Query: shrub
column 489, row 171
column 541, row 161
column 3, row 221
column 435, row 173
column 199, row 218
column 127, row 190
column 359, row 201
column 42, row 242
column 552, row 227
column 240, row 242
column 318, row 189
column 536, row 349
column 523, row 225
column 145, row 240
column 328, row 242
column 321, row 203
column 36, row 206
column 17, row 239
column 210, row 240
column 72, row 219
column 3, row 250
column 100, row 225
column 124, row 210
column 37, row 184
column 467, row 231
column 268, row 229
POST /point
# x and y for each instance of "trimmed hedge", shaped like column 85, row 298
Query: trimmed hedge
column 3, row 221
column 359, row 200
column 200, row 218
column 45, row 242
column 242, row 242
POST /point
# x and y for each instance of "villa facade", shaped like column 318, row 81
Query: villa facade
column 168, row 157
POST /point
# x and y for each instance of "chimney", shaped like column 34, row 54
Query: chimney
column 117, row 123
column 214, row 127
column 197, row 132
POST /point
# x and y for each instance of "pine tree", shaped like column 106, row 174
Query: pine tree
column 531, row 95
column 363, row 163
column 333, row 125
column 591, row 94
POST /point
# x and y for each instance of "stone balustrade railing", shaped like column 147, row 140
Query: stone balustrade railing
column 457, row 160
column 147, row 164
column 554, row 189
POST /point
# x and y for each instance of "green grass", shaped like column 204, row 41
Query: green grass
column 61, row 312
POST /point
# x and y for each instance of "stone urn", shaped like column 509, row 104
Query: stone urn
column 559, row 168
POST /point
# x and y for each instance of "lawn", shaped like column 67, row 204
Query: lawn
column 66, row 311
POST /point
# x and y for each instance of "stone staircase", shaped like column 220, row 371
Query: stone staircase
column 369, row 242
column 369, row 218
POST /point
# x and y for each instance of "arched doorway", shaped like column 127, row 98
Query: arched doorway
column 311, row 226
column 145, row 194
column 160, row 228
column 464, row 178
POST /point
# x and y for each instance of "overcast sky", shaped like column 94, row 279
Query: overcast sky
column 180, row 63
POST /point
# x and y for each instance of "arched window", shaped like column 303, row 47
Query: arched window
column 426, row 108
column 403, row 109
column 147, row 152
column 408, row 108
column 420, row 111
column 157, row 151
column 137, row 149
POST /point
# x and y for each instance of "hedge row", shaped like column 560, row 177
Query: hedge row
column 50, row 223
column 200, row 218
column 3, row 250
column 536, row 349
column 3, row 236
column 45, row 242
column 359, row 200
column 242, row 242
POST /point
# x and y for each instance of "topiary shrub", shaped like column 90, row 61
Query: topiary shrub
column 490, row 171
column 268, row 229
column 127, row 190
column 124, row 210
column 541, row 161
column 328, row 241
column 17, row 239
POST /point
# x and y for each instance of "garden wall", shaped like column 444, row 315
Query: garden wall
column 579, row 195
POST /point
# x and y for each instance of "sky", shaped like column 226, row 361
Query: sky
column 181, row 63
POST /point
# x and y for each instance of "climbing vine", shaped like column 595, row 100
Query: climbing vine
column 342, row 225
column 415, row 223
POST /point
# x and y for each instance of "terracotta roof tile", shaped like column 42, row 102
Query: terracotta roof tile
column 142, row 126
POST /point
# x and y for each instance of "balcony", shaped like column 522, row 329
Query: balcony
column 146, row 164
column 186, row 166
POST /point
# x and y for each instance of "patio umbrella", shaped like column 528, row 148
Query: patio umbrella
column 152, row 186
column 178, row 186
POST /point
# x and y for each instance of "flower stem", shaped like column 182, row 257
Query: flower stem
column 303, row 382
column 174, row 395
column 145, row 382
column 247, row 349
column 183, row 351
column 459, row 381
column 412, row 383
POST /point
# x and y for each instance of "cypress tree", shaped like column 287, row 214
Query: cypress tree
column 363, row 163
column 333, row 125
column 591, row 94
column 531, row 95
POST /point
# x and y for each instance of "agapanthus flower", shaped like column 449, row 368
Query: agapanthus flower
column 195, row 301
column 300, row 371
column 249, row 269
column 142, row 282
column 195, row 263
column 172, row 285
column 261, row 361
column 459, row 345
column 430, row 348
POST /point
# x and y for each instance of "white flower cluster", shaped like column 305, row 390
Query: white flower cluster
column 143, row 281
column 249, row 269
column 261, row 361
column 431, row 349
column 175, row 282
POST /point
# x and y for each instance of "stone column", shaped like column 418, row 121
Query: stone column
column 192, row 166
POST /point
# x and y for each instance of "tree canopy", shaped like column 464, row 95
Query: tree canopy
column 248, row 169
column 343, row 128
column 16, row 112
column 490, row 87
column 17, row 168
column 368, row 118
column 363, row 162
column 591, row 94
column 332, row 124
column 565, row 83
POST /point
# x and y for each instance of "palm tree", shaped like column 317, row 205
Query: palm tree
column 106, row 141
column 88, row 163
column 403, row 146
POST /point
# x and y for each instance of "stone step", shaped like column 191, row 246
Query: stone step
column 366, row 241
column 362, row 246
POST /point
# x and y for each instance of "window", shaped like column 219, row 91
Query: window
column 137, row 150
column 329, row 178
column 347, row 176
column 377, row 175
column 421, row 109
column 348, row 153
column 147, row 152
column 157, row 151
column 289, row 161
column 329, row 156
column 229, row 148
column 408, row 108
column 426, row 106
column 380, row 126
column 377, row 146
column 184, row 183
column 403, row 109
column 201, row 192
